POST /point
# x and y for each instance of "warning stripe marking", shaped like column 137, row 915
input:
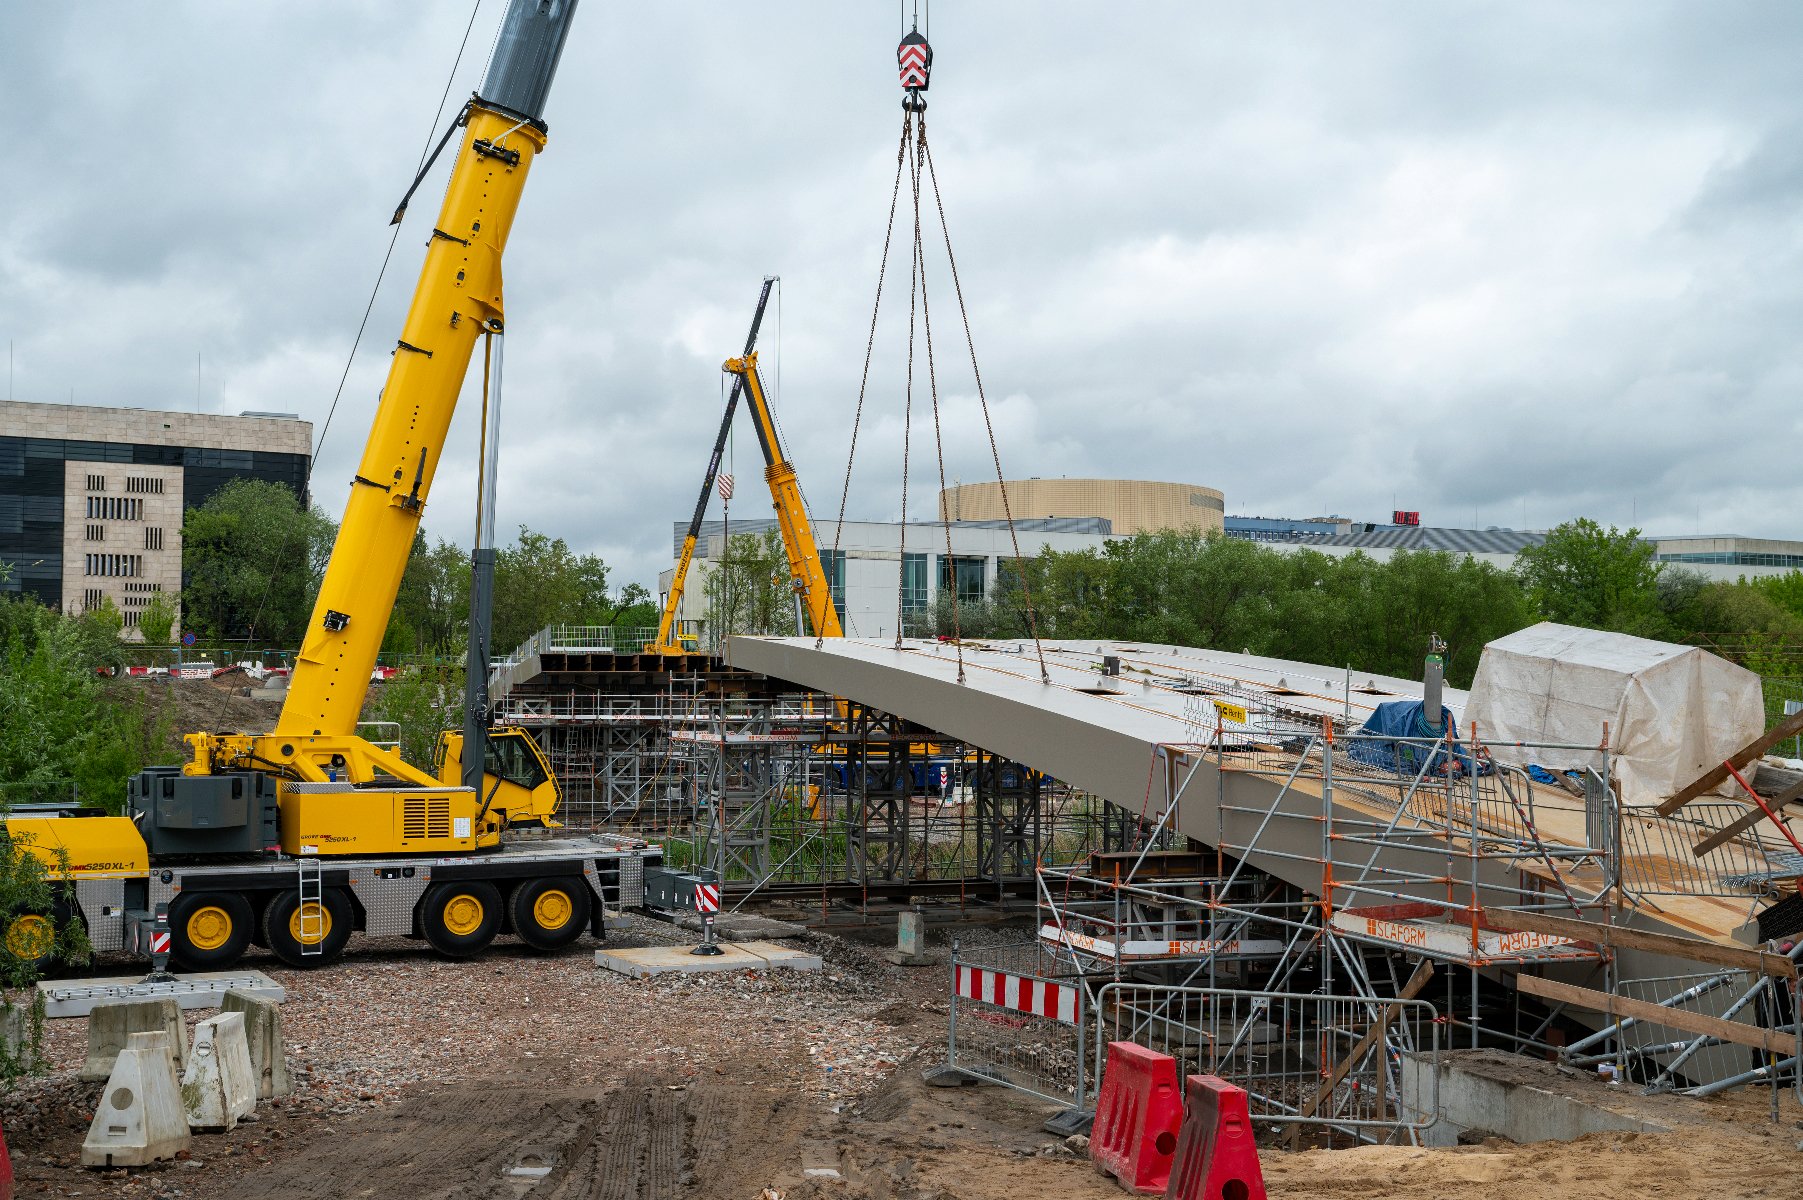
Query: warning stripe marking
column 1036, row 997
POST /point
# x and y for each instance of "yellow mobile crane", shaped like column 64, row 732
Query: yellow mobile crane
column 296, row 837
column 813, row 593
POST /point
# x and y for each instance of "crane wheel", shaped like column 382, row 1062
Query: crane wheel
column 30, row 937
column 549, row 914
column 460, row 918
column 209, row 931
column 311, row 937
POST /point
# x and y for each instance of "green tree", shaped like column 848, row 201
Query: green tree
column 1228, row 594
column 1786, row 590
column 157, row 620
column 107, row 616
column 634, row 608
column 253, row 557
column 540, row 581
column 1586, row 575
column 431, row 611
column 423, row 700
column 748, row 591
column 62, row 725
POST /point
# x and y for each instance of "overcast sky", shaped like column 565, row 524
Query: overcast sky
column 1509, row 263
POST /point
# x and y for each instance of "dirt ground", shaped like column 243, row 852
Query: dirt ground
column 523, row 1076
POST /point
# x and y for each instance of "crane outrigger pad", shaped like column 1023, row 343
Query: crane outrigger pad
column 202, row 989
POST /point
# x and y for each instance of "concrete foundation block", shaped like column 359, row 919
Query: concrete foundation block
column 263, row 1034
column 1483, row 1092
column 219, row 1085
column 140, row 1119
column 910, row 941
column 110, row 1027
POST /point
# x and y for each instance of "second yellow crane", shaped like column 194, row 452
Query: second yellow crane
column 806, row 575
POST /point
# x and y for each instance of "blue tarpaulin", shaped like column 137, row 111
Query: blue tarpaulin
column 1408, row 719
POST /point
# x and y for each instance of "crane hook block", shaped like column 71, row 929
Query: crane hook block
column 915, row 58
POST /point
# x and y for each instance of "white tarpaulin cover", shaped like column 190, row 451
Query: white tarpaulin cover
column 1673, row 711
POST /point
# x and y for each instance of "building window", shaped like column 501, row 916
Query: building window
column 96, row 533
column 92, row 599
column 913, row 582
column 152, row 487
column 97, row 483
column 153, row 538
column 962, row 575
column 832, row 564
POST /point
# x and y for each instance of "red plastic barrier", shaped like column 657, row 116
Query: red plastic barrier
column 1216, row 1156
column 6, row 1170
column 1138, row 1113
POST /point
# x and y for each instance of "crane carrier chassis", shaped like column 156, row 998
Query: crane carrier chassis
column 547, row 889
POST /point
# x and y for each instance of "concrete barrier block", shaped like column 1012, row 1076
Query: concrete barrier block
column 219, row 1085
column 110, row 1027
column 263, row 1034
column 140, row 1119
column 15, row 1030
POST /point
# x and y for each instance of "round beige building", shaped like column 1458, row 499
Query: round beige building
column 1132, row 505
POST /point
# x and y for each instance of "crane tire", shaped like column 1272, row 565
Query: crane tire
column 460, row 918
column 209, row 931
column 30, row 938
column 282, row 928
column 550, row 914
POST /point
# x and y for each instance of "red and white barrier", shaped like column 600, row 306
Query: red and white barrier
column 1037, row 997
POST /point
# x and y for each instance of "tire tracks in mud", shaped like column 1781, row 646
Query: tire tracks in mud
column 655, row 1134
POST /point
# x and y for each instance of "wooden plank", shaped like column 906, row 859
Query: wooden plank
column 1616, row 1007
column 1743, row 823
column 1419, row 980
column 1694, row 949
column 1791, row 726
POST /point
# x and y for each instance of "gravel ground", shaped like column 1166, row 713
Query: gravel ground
column 390, row 1016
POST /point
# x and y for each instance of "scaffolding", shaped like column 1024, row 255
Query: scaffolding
column 1434, row 863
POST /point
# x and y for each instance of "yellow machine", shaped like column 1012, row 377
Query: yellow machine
column 805, row 573
column 297, row 837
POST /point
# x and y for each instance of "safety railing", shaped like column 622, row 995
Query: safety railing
column 1364, row 1067
column 629, row 639
column 1013, row 1019
column 1659, row 855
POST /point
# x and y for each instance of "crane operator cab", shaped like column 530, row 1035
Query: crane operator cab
column 518, row 779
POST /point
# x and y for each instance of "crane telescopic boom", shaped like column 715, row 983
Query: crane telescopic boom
column 806, row 575
column 458, row 299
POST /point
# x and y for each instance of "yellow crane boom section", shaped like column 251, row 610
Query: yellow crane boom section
column 805, row 572
column 457, row 300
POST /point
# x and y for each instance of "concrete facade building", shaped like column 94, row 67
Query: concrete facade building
column 875, row 558
column 1128, row 505
column 91, row 499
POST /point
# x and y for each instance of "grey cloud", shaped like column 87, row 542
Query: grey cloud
column 1317, row 255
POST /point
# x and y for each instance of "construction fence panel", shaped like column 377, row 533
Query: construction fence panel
column 1663, row 1057
column 1014, row 1020
column 1333, row 1063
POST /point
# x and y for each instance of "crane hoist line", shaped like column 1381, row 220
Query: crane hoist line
column 297, row 838
column 914, row 162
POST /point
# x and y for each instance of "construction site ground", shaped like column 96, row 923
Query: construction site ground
column 424, row 1078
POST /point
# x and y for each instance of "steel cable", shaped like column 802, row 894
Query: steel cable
column 869, row 345
column 983, row 401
